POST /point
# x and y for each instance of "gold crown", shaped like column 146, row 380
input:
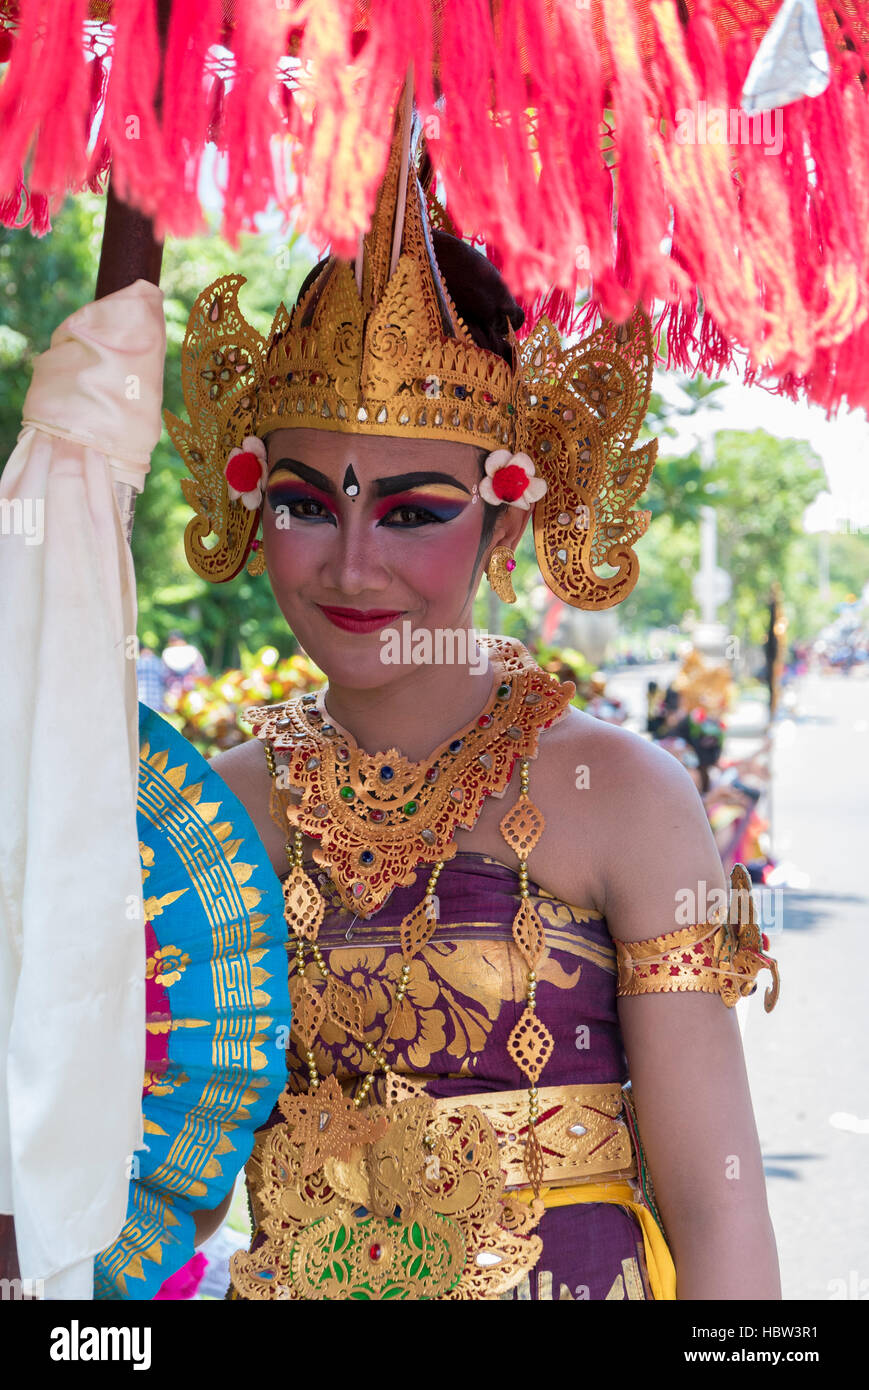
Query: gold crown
column 383, row 351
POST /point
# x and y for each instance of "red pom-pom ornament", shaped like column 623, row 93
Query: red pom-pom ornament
column 243, row 472
column 509, row 483
column 246, row 473
column 511, row 478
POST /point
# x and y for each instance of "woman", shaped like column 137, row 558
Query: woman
column 417, row 980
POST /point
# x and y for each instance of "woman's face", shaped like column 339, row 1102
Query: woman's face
column 363, row 535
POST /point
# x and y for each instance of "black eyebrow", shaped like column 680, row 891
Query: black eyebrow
column 403, row 482
column 383, row 487
column 308, row 475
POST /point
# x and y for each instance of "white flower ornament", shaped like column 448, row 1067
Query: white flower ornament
column 511, row 478
column 246, row 472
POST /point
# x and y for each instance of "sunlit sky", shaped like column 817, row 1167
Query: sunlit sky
column 842, row 443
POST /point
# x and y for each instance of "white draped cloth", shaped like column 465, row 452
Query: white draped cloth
column 72, row 957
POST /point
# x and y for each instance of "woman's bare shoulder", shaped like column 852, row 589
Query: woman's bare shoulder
column 242, row 767
column 609, row 759
column 603, row 789
column 651, row 830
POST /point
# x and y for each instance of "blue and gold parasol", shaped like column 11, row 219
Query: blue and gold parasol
column 218, row 1009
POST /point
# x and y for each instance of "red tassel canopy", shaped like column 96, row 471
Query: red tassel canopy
column 595, row 148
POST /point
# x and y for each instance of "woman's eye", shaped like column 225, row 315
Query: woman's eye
column 305, row 508
column 408, row 516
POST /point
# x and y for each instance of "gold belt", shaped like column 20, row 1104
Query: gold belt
column 422, row 1204
column 581, row 1130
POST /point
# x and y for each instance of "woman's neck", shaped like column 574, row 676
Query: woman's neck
column 417, row 711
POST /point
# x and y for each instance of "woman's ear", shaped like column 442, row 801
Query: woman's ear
column 510, row 526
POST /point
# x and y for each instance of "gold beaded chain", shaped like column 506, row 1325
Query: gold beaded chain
column 530, row 1043
column 531, row 997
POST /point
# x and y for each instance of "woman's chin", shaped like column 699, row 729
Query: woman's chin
column 356, row 661
column 365, row 671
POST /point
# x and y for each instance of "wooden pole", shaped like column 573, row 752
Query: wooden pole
column 131, row 252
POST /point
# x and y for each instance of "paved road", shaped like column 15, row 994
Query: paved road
column 807, row 1060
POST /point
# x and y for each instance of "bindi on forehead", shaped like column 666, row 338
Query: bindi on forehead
column 380, row 487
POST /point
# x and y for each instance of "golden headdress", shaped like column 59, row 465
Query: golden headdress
column 382, row 350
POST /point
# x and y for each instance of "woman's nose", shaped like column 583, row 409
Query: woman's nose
column 354, row 564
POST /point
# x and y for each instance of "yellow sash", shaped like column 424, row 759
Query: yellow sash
column 659, row 1261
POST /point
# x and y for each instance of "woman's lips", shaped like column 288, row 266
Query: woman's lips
column 360, row 619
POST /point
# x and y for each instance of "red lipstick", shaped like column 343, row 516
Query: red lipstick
column 360, row 619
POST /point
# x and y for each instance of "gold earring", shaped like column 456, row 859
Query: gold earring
column 498, row 570
column 257, row 562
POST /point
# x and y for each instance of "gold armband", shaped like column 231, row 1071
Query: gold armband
column 721, row 956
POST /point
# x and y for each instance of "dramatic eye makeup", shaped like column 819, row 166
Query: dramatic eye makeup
column 405, row 500
column 441, row 502
column 293, row 485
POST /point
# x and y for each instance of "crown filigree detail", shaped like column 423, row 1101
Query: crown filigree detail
column 387, row 354
column 579, row 413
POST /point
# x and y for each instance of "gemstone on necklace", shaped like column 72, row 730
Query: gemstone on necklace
column 375, row 1251
column 427, row 835
column 376, row 815
column 358, row 889
column 486, row 760
column 328, row 729
column 312, row 764
column 343, row 753
column 504, row 691
column 484, row 721
column 347, row 794
column 387, row 774
column 314, row 714
column 457, row 745
column 410, row 808
column 432, row 774
column 457, row 793
column 514, row 731
column 533, row 697
column 283, row 723
column 366, row 857
column 308, row 699
column 321, row 810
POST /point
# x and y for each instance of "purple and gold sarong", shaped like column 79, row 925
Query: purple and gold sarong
column 466, row 991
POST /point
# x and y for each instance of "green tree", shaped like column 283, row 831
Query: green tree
column 765, row 486
column 42, row 281
column 223, row 619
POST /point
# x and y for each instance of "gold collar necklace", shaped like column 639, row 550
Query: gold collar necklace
column 378, row 816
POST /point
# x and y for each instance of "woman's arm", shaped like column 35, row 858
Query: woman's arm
column 684, row 1050
column 207, row 1222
